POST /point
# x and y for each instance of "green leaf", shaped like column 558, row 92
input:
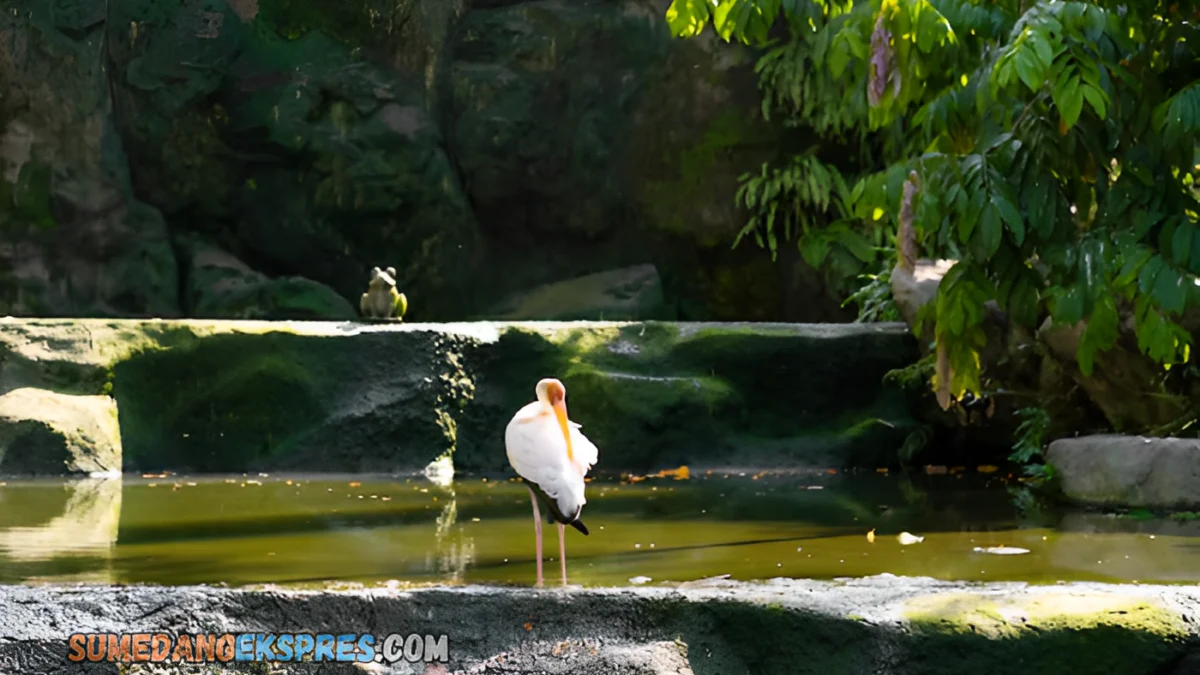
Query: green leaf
column 855, row 243
column 1144, row 220
column 1011, row 216
column 1169, row 290
column 1068, row 305
column 1149, row 273
column 1133, row 264
column 1022, row 303
column 1095, row 98
column 1029, row 70
column 1182, row 244
column 1069, row 101
column 839, row 57
column 990, row 233
column 1099, row 334
column 687, row 18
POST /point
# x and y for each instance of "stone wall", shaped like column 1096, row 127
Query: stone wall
column 221, row 396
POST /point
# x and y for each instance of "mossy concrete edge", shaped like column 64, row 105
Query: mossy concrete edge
column 874, row 625
column 226, row 395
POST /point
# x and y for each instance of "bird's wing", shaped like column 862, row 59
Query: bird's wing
column 586, row 453
column 537, row 451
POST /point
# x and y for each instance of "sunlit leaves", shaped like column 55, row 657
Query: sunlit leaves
column 688, row 18
column 788, row 202
column 1159, row 337
column 960, row 310
column 1055, row 149
column 1099, row 334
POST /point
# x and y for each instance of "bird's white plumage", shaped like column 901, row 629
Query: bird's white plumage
column 538, row 452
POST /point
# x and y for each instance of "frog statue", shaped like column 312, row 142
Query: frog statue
column 382, row 300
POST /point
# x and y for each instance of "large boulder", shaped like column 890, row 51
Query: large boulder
column 1130, row 471
column 221, row 286
column 619, row 295
column 47, row 433
column 76, row 241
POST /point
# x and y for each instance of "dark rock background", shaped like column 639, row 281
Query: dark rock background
column 255, row 158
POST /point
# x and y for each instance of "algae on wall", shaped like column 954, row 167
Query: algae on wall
column 257, row 395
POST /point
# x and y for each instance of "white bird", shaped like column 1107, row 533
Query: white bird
column 548, row 451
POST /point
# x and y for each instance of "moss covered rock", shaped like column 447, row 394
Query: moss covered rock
column 664, row 394
column 219, row 285
column 1054, row 629
column 43, row 432
column 233, row 395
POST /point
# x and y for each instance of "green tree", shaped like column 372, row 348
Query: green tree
column 1047, row 147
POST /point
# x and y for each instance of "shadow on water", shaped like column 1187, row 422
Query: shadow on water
column 312, row 529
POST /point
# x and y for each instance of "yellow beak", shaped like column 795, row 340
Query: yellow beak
column 560, row 411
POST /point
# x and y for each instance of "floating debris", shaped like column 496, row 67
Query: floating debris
column 906, row 538
column 1002, row 550
column 640, row 580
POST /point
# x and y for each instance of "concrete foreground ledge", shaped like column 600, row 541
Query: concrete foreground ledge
column 881, row 625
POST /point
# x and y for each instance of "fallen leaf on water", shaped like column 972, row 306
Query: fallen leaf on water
column 986, row 468
column 1002, row 550
column 871, row 536
column 831, row 472
column 154, row 475
column 906, row 538
column 678, row 474
column 528, row 626
column 636, row 479
column 882, row 469
column 355, row 483
column 935, row 470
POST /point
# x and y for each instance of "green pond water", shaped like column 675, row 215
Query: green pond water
column 305, row 529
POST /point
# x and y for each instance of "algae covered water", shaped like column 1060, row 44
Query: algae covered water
column 305, row 529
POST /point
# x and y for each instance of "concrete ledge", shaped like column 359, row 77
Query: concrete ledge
column 881, row 625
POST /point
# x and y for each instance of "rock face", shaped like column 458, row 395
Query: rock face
column 483, row 149
column 42, row 432
column 240, row 396
column 75, row 239
column 885, row 625
column 219, row 285
column 1156, row 473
